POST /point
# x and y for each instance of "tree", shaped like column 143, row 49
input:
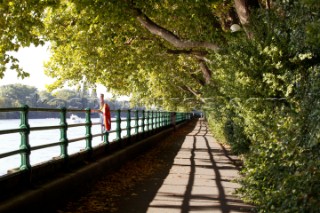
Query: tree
column 141, row 37
column 19, row 94
column 122, row 42
column 44, row 98
column 258, row 86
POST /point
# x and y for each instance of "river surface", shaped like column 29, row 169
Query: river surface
column 11, row 142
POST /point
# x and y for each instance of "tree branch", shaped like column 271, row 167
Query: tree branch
column 200, row 81
column 196, row 53
column 190, row 90
column 191, row 52
column 200, row 55
column 170, row 37
column 167, row 35
column 268, row 4
column 242, row 11
column 243, row 8
column 205, row 71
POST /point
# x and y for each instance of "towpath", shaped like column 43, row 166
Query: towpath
column 188, row 172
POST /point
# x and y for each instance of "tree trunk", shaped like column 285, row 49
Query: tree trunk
column 206, row 72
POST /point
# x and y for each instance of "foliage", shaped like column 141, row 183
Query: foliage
column 103, row 43
column 14, row 95
column 268, row 103
column 20, row 24
column 261, row 97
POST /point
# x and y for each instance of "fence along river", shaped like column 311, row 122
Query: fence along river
column 27, row 142
column 11, row 142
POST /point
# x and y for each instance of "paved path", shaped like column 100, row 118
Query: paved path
column 200, row 178
column 187, row 172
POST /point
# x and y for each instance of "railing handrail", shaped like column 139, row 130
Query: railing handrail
column 45, row 109
column 144, row 121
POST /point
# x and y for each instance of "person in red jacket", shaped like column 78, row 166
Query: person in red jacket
column 106, row 115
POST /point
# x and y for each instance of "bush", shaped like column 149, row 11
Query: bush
column 269, row 107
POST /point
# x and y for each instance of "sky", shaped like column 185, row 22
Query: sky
column 32, row 59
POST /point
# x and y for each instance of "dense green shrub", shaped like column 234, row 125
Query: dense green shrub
column 269, row 107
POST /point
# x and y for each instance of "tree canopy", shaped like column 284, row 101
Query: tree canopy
column 144, row 48
column 258, row 86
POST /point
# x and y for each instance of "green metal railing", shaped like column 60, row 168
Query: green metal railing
column 125, row 124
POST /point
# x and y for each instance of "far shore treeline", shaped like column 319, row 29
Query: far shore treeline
column 17, row 95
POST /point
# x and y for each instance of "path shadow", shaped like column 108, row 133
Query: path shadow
column 206, row 186
column 145, row 192
column 222, row 201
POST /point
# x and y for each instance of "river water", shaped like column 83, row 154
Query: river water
column 11, row 142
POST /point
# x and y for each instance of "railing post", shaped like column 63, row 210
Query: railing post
column 137, row 121
column 159, row 119
column 147, row 120
column 156, row 119
column 152, row 120
column 88, row 130
column 165, row 118
column 142, row 121
column 118, row 130
column 25, row 145
column 177, row 117
column 162, row 119
column 63, row 133
column 129, row 123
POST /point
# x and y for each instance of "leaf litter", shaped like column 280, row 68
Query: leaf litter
column 106, row 193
